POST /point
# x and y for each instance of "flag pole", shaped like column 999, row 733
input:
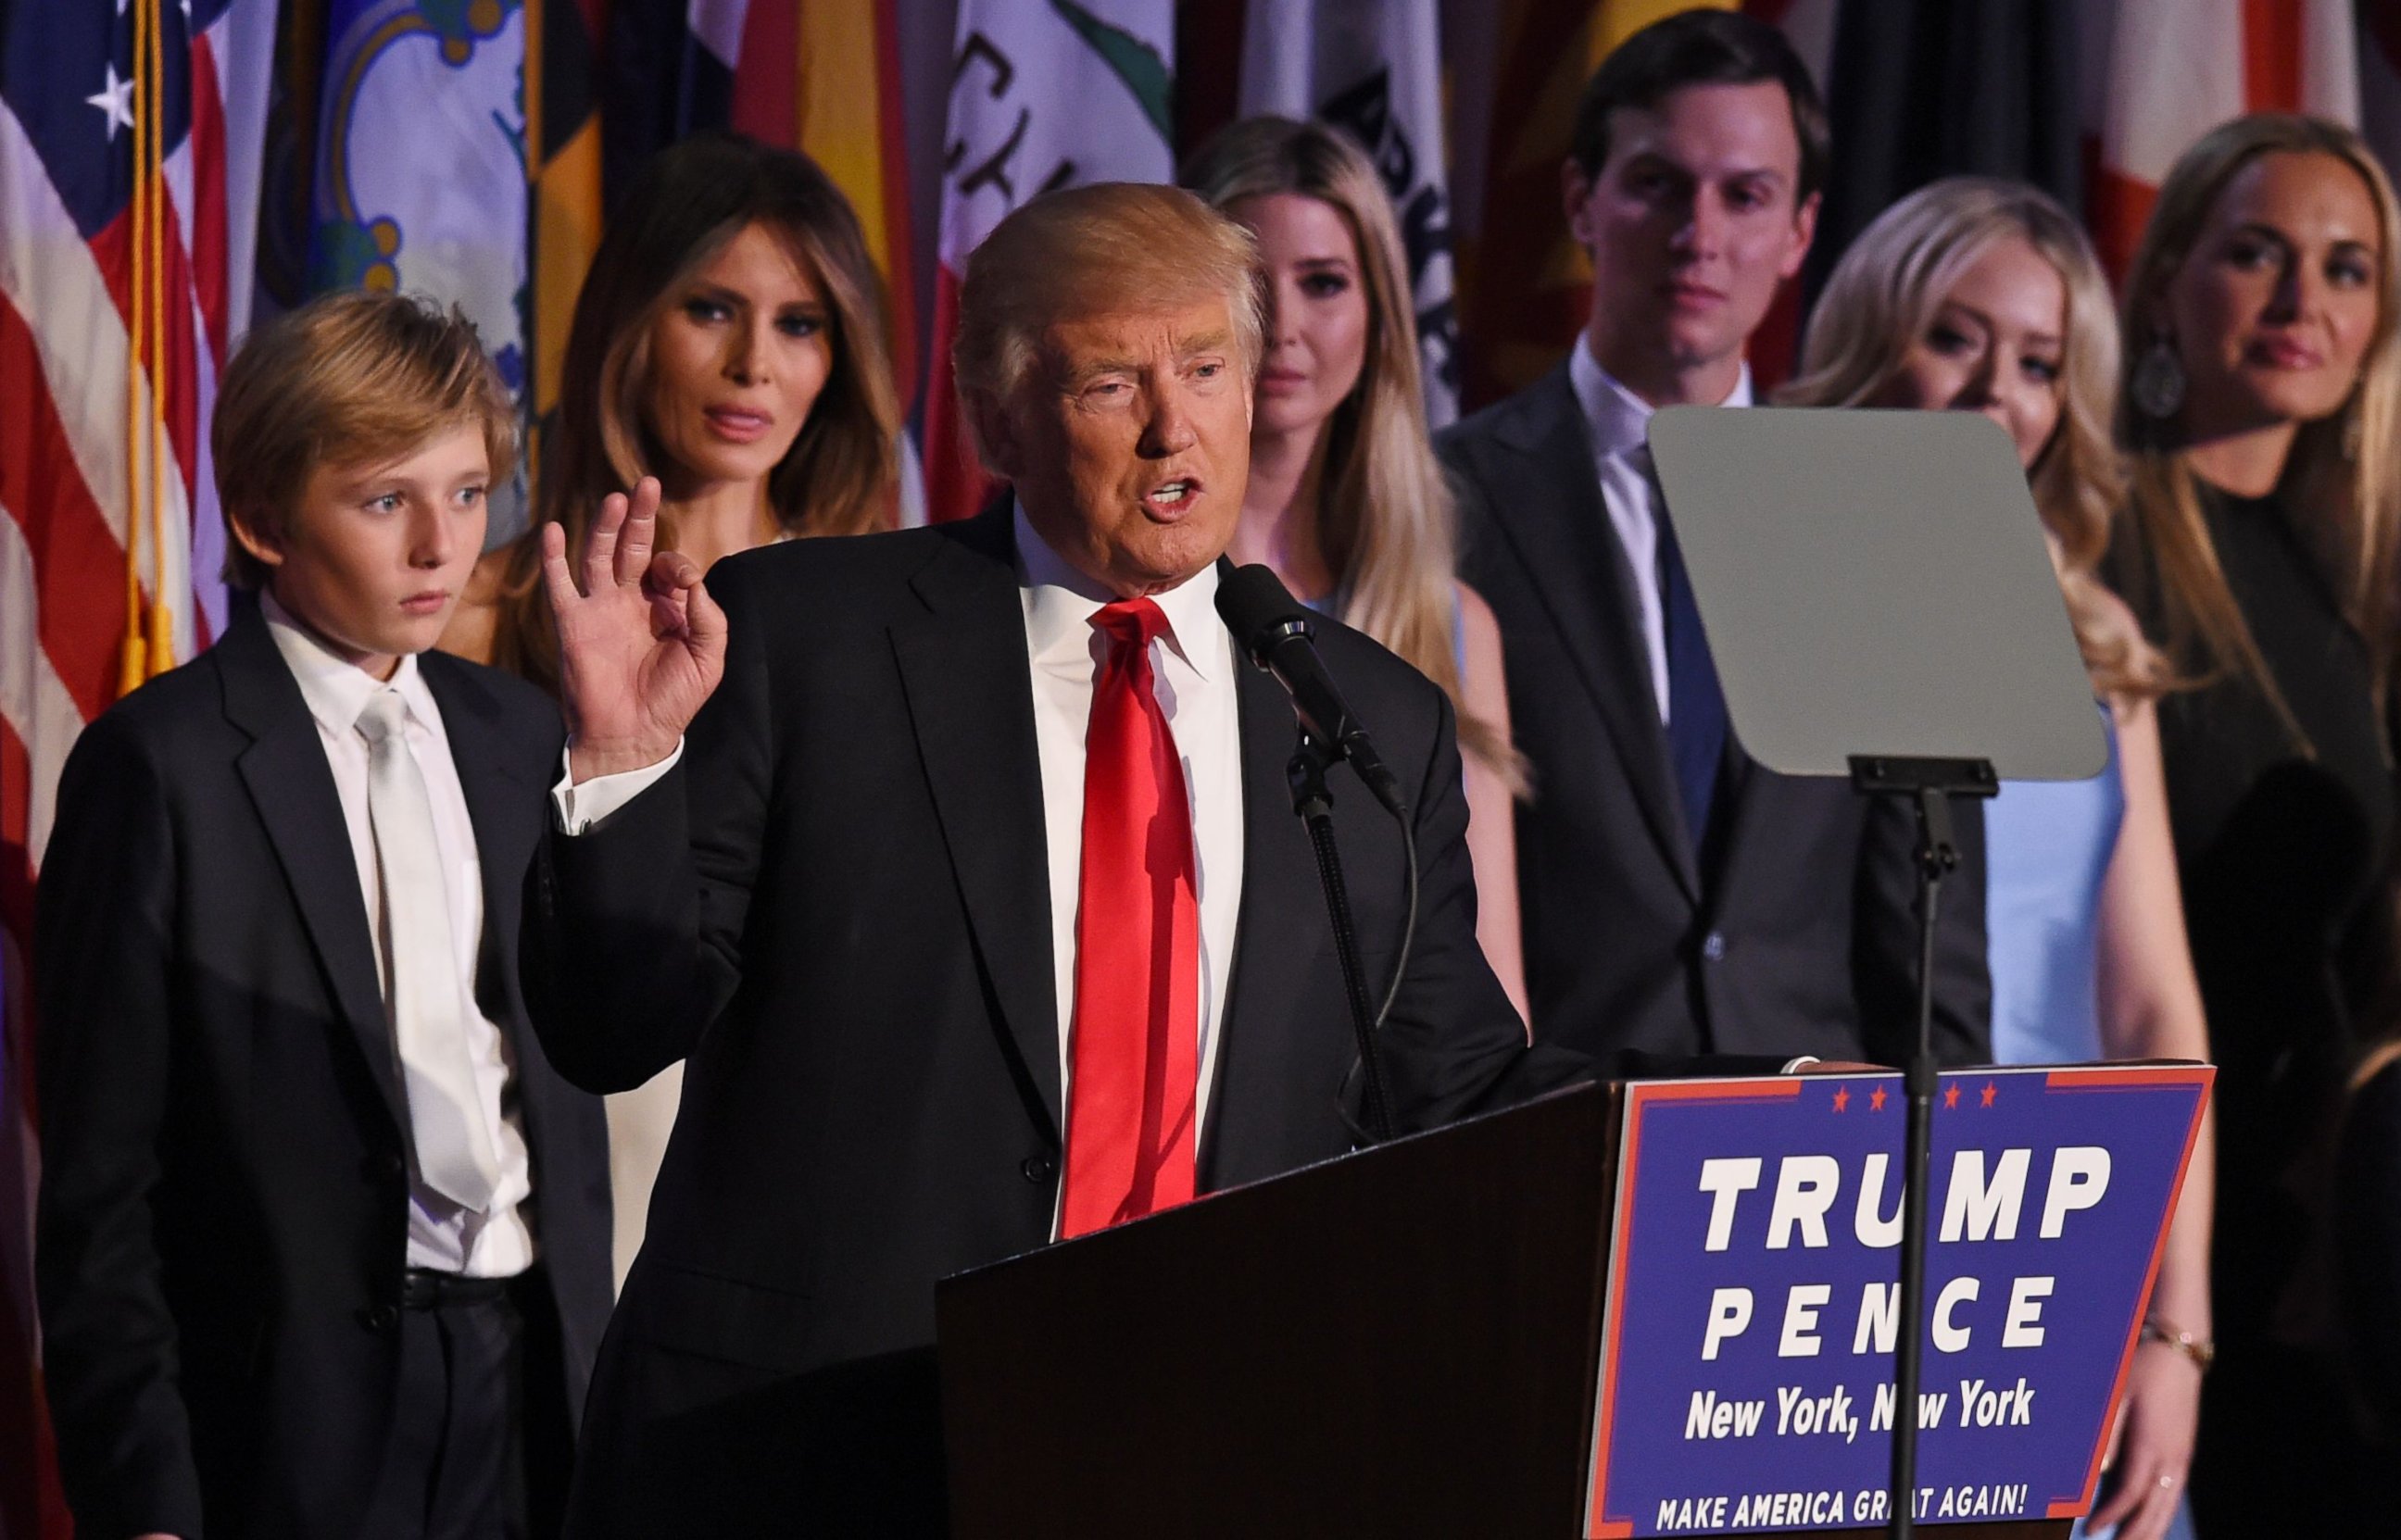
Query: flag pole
column 158, row 655
column 132, row 664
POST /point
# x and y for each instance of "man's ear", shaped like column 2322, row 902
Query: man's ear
column 1805, row 230
column 1575, row 198
column 255, row 536
column 995, row 434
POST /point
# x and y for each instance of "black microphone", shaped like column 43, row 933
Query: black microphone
column 1279, row 634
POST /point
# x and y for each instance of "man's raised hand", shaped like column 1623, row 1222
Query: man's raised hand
column 641, row 642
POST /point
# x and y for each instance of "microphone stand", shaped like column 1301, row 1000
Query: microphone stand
column 1315, row 805
column 1930, row 784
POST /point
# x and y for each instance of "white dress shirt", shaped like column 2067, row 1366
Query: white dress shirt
column 1192, row 669
column 1192, row 672
column 441, row 1235
column 1618, row 422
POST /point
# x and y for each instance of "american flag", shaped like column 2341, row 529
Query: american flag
column 130, row 161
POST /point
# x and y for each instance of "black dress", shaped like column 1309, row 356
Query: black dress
column 2368, row 1221
column 2283, row 849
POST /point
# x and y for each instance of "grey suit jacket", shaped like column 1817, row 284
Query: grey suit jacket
column 1793, row 931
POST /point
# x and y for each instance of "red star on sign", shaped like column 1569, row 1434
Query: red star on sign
column 1950, row 1096
column 1988, row 1092
column 1876, row 1101
column 1841, row 1099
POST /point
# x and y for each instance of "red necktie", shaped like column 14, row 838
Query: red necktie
column 1137, row 1029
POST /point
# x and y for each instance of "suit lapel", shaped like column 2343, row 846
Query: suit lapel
column 293, row 788
column 1562, row 534
column 1273, row 947
column 970, row 694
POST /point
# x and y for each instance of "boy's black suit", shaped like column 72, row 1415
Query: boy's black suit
column 224, row 1204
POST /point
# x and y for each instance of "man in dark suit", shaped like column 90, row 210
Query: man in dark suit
column 323, row 1240
column 973, row 892
column 1678, row 897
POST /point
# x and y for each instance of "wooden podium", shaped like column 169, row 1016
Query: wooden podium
column 1400, row 1342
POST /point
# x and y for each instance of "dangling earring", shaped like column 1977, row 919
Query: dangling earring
column 2158, row 385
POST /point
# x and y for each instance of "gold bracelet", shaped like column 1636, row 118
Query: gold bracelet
column 2200, row 1350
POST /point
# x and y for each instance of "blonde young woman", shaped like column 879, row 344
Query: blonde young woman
column 1984, row 296
column 729, row 340
column 2262, row 409
column 1346, row 500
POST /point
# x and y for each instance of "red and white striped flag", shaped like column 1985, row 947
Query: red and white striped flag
column 129, row 161
column 1042, row 96
column 2178, row 68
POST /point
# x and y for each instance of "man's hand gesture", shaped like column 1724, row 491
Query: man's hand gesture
column 640, row 644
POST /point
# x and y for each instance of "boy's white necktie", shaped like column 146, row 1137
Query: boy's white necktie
column 454, row 1148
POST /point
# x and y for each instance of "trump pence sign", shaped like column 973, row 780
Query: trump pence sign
column 1746, row 1350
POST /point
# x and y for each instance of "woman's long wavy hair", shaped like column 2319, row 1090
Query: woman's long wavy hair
column 1883, row 297
column 681, row 207
column 2341, row 485
column 1386, row 521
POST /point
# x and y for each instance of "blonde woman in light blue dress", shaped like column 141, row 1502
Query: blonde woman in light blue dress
column 1983, row 295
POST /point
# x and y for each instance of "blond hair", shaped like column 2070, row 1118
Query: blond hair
column 687, row 203
column 1883, row 297
column 1386, row 521
column 358, row 377
column 1094, row 250
column 2342, row 479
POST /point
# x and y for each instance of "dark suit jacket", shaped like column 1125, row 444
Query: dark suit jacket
column 222, row 1222
column 1795, row 930
column 837, row 906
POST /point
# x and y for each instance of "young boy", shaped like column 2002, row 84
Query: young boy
column 323, row 1239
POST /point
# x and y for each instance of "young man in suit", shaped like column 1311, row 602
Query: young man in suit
column 973, row 892
column 323, row 1239
column 1679, row 898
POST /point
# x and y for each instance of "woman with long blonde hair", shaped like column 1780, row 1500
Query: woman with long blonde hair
column 1984, row 296
column 1346, row 500
column 729, row 341
column 2261, row 410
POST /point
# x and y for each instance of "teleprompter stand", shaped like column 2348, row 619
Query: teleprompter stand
column 1880, row 605
column 1929, row 786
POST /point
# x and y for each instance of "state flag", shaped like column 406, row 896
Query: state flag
column 1041, row 97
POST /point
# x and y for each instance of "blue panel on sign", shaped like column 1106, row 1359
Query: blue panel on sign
column 1747, row 1350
